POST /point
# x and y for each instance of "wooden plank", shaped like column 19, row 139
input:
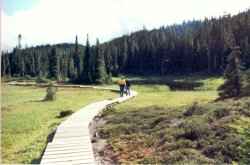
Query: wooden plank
column 74, row 130
column 75, row 162
column 57, row 155
column 59, row 129
column 69, row 157
column 72, row 127
column 68, row 145
column 67, row 150
column 69, row 161
column 66, row 135
column 83, row 138
column 61, row 135
column 72, row 146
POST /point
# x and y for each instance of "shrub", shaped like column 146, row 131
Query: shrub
column 245, row 147
column 194, row 129
column 108, row 79
column 65, row 113
column 212, row 151
column 156, row 122
column 194, row 109
column 233, row 84
column 225, row 149
column 186, row 156
column 220, row 113
column 179, row 144
column 149, row 160
column 230, row 148
column 246, row 84
column 51, row 93
column 116, row 130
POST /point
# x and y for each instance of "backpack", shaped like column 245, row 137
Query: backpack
column 121, row 82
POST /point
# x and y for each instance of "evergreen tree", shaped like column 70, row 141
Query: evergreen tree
column 53, row 64
column 3, row 64
column 194, row 46
column 246, row 52
column 246, row 83
column 38, row 71
column 77, row 60
column 15, row 62
column 233, row 85
column 71, row 70
column 87, row 76
column 22, row 71
column 101, row 76
column 92, row 63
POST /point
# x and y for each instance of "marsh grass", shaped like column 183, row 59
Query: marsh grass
column 163, row 125
column 169, row 136
column 27, row 120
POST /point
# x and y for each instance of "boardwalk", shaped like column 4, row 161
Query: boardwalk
column 71, row 143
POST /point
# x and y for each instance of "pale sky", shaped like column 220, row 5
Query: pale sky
column 57, row 21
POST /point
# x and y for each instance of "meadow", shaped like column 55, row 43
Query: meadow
column 156, row 91
column 176, row 120
column 27, row 121
column 157, row 126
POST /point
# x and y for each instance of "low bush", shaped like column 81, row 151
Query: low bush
column 245, row 147
column 225, row 149
column 179, row 144
column 186, row 156
column 65, row 113
column 194, row 109
column 194, row 129
column 220, row 113
column 149, row 160
column 245, row 91
column 200, row 134
column 115, row 130
column 156, row 122
column 51, row 93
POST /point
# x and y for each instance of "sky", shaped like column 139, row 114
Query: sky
column 59, row 21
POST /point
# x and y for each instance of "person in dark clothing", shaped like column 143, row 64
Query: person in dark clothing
column 121, row 84
column 128, row 84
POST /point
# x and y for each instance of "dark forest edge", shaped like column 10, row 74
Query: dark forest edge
column 194, row 46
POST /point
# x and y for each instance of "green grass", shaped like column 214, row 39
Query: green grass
column 159, row 95
column 27, row 121
column 197, row 82
column 154, row 91
column 162, row 125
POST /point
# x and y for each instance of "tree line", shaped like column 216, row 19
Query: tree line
column 194, row 46
column 190, row 47
column 62, row 62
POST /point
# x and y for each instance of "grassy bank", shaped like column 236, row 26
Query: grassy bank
column 174, row 126
column 27, row 120
column 211, row 133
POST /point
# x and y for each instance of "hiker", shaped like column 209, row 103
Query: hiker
column 127, row 87
column 122, row 84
